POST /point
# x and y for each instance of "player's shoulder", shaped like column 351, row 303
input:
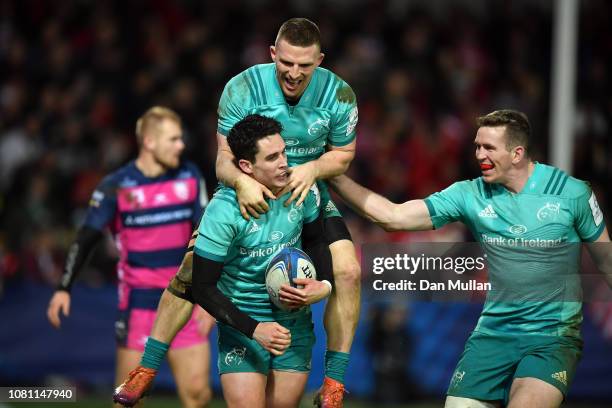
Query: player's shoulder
column 124, row 177
column 556, row 182
column 248, row 88
column 332, row 91
column 475, row 186
column 326, row 75
column 224, row 200
column 252, row 73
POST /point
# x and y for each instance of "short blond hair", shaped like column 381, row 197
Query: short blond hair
column 153, row 117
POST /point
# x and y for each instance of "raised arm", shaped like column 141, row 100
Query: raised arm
column 410, row 216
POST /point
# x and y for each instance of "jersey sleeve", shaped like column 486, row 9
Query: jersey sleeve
column 102, row 205
column 346, row 117
column 447, row 205
column 589, row 219
column 312, row 204
column 217, row 230
column 233, row 103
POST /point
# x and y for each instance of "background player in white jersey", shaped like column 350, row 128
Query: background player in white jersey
column 523, row 353
column 130, row 202
column 318, row 112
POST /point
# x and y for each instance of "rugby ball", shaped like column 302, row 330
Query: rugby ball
column 286, row 265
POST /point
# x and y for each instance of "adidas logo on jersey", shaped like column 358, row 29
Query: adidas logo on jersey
column 330, row 207
column 561, row 376
column 253, row 228
column 488, row 212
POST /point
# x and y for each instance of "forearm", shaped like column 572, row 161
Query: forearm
column 333, row 163
column 366, row 203
column 409, row 216
column 206, row 273
column 79, row 251
column 226, row 170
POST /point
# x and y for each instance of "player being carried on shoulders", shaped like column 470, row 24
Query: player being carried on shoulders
column 318, row 112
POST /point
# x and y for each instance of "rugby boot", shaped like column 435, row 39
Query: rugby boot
column 330, row 395
column 138, row 383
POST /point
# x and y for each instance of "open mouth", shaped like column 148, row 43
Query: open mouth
column 292, row 85
column 486, row 166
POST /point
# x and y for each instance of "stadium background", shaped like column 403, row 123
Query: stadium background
column 75, row 75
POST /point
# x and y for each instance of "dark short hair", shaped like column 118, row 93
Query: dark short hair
column 300, row 32
column 518, row 130
column 245, row 134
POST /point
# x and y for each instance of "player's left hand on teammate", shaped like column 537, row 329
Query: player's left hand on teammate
column 311, row 292
column 301, row 178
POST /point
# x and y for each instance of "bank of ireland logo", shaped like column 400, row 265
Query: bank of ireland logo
column 235, row 356
column 319, row 127
column 549, row 212
column 518, row 229
column 275, row 236
column 292, row 142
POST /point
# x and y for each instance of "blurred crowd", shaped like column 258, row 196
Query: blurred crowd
column 76, row 74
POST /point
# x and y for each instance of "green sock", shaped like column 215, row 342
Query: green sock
column 335, row 365
column 154, row 353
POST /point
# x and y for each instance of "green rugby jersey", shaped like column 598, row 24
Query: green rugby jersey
column 245, row 247
column 530, row 242
column 326, row 114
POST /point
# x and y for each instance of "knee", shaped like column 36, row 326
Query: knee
column 348, row 276
column 198, row 394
